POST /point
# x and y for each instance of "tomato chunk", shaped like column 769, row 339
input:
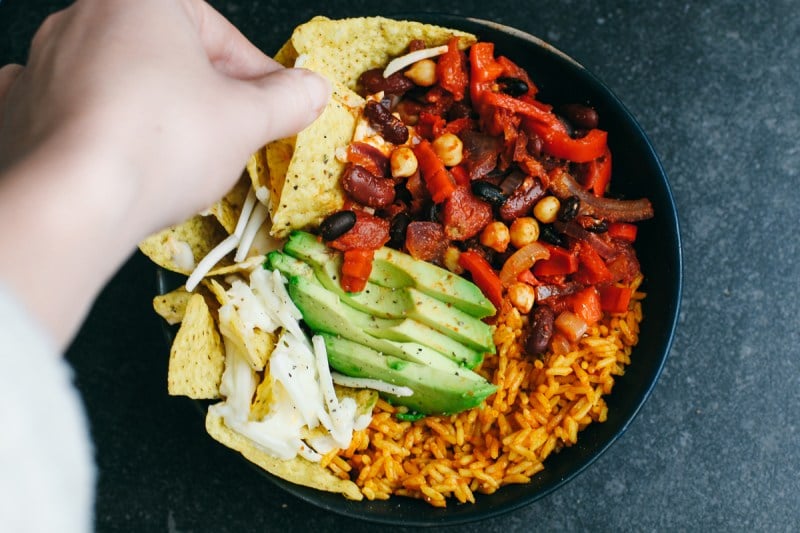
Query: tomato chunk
column 369, row 232
column 464, row 214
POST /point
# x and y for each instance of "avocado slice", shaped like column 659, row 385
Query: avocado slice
column 393, row 269
column 400, row 302
column 436, row 391
column 323, row 311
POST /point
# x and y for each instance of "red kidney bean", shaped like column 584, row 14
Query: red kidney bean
column 581, row 116
column 521, row 201
column 373, row 82
column 541, row 330
column 366, row 188
column 390, row 127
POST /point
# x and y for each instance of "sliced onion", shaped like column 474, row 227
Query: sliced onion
column 571, row 325
column 520, row 261
column 399, row 63
column 563, row 185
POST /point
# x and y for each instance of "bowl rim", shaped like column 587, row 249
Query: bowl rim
column 356, row 510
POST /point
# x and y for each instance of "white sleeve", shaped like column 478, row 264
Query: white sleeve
column 47, row 473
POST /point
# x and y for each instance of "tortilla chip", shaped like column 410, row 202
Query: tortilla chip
column 343, row 49
column 246, row 266
column 287, row 55
column 255, row 344
column 179, row 248
column 298, row 470
column 262, row 399
column 172, row 305
column 196, row 359
column 278, row 156
column 311, row 189
column 228, row 209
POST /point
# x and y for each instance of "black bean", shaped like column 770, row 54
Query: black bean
column 512, row 86
column 600, row 226
column 569, row 209
column 397, row 230
column 337, row 224
column 550, row 235
column 488, row 192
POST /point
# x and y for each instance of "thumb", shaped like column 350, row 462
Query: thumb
column 281, row 104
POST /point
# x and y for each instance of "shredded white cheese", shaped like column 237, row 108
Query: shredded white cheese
column 399, row 63
column 302, row 393
column 257, row 218
column 368, row 383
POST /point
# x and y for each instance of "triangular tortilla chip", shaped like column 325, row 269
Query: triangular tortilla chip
column 255, row 344
column 179, row 248
column 172, row 305
column 345, row 48
column 196, row 359
column 228, row 209
column 297, row 470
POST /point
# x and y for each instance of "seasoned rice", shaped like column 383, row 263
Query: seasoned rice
column 540, row 406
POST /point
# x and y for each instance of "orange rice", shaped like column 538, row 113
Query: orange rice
column 540, row 406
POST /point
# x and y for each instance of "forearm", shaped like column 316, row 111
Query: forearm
column 65, row 230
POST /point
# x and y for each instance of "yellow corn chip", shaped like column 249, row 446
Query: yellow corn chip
column 228, row 209
column 297, row 470
column 196, row 359
column 172, row 305
column 344, row 49
column 255, row 344
column 246, row 266
column 179, row 248
column 311, row 188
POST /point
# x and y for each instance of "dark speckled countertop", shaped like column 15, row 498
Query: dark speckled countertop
column 715, row 85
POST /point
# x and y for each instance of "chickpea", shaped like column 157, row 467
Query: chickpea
column 449, row 148
column 422, row 73
column 451, row 256
column 546, row 209
column 403, row 162
column 524, row 230
column 496, row 236
column 522, row 296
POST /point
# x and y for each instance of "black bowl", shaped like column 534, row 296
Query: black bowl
column 637, row 173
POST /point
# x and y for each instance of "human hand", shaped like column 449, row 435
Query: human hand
column 130, row 116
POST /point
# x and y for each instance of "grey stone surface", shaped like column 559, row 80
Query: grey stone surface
column 715, row 85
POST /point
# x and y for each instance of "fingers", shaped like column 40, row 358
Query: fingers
column 228, row 50
column 280, row 104
column 8, row 75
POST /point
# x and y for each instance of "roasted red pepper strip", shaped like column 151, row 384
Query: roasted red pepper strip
column 483, row 71
column 438, row 181
column 451, row 70
column 622, row 230
column 356, row 268
column 597, row 174
column 582, row 150
column 525, row 107
column 614, row 299
column 483, row 275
